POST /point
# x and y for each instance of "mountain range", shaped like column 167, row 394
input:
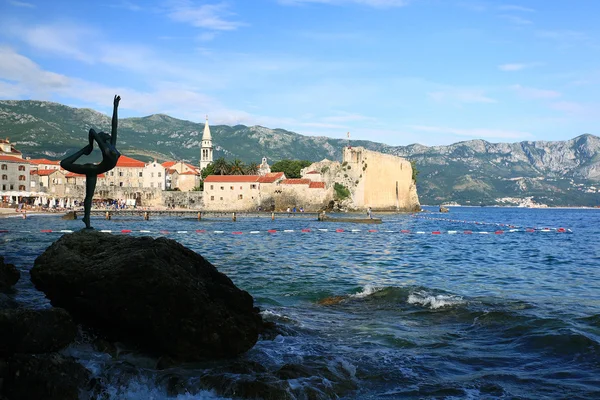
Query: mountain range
column 474, row 172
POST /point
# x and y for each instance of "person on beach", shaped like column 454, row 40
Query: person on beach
column 110, row 156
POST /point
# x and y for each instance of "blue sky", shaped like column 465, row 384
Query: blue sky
column 393, row 71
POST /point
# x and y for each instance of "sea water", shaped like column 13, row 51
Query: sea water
column 482, row 308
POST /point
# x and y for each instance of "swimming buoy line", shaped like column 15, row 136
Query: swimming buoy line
column 510, row 226
column 307, row 230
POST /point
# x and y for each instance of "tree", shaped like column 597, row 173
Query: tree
column 252, row 169
column 291, row 168
column 415, row 171
column 208, row 170
column 221, row 166
column 237, row 167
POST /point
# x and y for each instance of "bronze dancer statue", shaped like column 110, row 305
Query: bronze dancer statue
column 110, row 155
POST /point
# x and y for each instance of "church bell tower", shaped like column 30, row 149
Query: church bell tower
column 206, row 148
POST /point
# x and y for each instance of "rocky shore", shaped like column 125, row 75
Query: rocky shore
column 152, row 295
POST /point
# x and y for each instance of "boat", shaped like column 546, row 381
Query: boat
column 325, row 218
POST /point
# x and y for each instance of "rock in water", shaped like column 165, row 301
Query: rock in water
column 35, row 331
column 152, row 293
column 9, row 274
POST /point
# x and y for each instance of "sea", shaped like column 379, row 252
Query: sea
column 477, row 303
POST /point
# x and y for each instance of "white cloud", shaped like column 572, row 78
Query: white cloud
column 370, row 3
column 474, row 132
column 517, row 66
column 207, row 16
column 128, row 5
column 460, row 96
column 21, row 4
column 20, row 77
column 63, row 39
column 514, row 19
column 512, row 7
column 21, row 70
column 533, row 93
column 577, row 109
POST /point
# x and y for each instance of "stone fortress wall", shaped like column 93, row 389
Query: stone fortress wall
column 380, row 181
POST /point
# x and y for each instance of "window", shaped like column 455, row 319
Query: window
column 3, row 187
column 211, row 187
column 22, row 177
column 140, row 174
column 12, row 187
column 41, row 184
column 252, row 186
column 151, row 174
column 21, row 168
column 112, row 173
column 121, row 174
column 21, row 187
column 160, row 185
column 222, row 187
column 231, row 187
column 240, row 197
column 160, row 174
column 4, row 167
column 121, row 184
column 212, row 197
column 4, row 177
column 221, row 197
column 141, row 184
column 151, row 184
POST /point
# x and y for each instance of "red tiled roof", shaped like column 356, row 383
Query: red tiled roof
column 270, row 177
column 231, row 178
column 191, row 166
column 44, row 161
column 171, row 171
column 13, row 159
column 125, row 161
column 169, row 164
column 317, row 185
column 296, row 182
column 189, row 173
column 312, row 172
column 74, row 175
column 42, row 172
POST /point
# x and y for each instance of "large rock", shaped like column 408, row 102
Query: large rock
column 46, row 376
column 35, row 331
column 9, row 274
column 152, row 293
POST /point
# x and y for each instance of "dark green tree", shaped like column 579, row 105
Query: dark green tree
column 208, row 170
column 291, row 168
column 252, row 169
column 221, row 166
column 237, row 167
column 415, row 171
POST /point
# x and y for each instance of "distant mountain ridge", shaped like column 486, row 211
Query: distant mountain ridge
column 473, row 172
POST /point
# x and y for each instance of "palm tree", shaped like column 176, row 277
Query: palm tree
column 252, row 169
column 221, row 166
column 237, row 167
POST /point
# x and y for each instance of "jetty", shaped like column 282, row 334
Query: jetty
column 199, row 215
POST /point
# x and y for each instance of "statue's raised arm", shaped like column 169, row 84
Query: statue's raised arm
column 115, row 122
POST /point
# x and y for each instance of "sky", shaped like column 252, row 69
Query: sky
column 399, row 72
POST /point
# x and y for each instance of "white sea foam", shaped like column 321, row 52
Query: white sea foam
column 434, row 301
column 144, row 389
column 367, row 291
